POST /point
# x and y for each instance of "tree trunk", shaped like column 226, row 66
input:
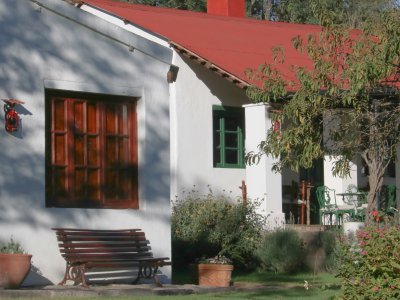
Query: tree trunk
column 376, row 172
column 267, row 6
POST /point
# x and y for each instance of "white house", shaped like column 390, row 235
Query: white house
column 125, row 108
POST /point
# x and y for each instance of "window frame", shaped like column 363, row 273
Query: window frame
column 73, row 200
column 222, row 113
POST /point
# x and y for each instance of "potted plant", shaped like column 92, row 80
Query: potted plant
column 353, row 223
column 15, row 264
column 215, row 271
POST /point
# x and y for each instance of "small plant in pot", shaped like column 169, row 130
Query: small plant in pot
column 215, row 271
column 15, row 264
column 354, row 223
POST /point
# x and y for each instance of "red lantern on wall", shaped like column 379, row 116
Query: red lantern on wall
column 11, row 115
column 276, row 121
column 277, row 126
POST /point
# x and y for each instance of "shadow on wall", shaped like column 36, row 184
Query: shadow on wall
column 41, row 45
column 35, row 277
column 225, row 91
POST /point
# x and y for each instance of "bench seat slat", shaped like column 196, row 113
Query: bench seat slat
column 109, row 256
column 118, row 265
column 57, row 230
column 99, row 250
column 134, row 261
column 100, row 239
column 81, row 245
column 105, row 234
column 86, row 259
column 105, row 250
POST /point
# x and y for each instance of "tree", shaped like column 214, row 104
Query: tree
column 351, row 92
column 268, row 10
column 194, row 5
column 352, row 13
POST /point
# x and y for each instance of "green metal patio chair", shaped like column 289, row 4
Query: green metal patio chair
column 327, row 206
column 327, row 203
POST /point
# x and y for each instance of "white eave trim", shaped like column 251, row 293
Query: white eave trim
column 124, row 24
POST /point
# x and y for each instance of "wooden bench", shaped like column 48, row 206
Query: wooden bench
column 85, row 249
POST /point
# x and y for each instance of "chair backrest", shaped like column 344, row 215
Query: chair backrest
column 351, row 199
column 325, row 196
column 352, row 188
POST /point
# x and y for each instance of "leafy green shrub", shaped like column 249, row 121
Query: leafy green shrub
column 282, row 251
column 370, row 265
column 209, row 225
column 12, row 247
column 329, row 243
column 320, row 249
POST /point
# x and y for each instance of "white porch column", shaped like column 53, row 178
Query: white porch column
column 262, row 183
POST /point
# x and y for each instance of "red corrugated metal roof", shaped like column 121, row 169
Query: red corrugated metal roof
column 232, row 44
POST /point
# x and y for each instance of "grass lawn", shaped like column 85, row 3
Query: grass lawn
column 279, row 286
column 267, row 285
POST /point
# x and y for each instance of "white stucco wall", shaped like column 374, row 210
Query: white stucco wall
column 195, row 91
column 41, row 49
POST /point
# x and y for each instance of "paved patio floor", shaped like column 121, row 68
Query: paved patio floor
column 111, row 290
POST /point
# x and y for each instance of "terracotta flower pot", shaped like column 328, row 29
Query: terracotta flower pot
column 215, row 275
column 13, row 269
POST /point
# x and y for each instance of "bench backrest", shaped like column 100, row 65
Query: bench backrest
column 80, row 245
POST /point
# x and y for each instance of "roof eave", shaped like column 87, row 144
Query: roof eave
column 209, row 65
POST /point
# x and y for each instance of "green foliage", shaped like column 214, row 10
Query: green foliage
column 346, row 105
column 282, row 251
column 218, row 260
column 295, row 11
column 330, row 241
column 193, row 5
column 351, row 13
column 208, row 225
column 370, row 263
column 12, row 247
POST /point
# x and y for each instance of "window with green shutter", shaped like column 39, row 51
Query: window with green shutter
column 228, row 131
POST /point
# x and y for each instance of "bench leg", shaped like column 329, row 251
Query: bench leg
column 139, row 274
column 82, row 275
column 148, row 272
column 66, row 275
column 155, row 277
column 75, row 274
